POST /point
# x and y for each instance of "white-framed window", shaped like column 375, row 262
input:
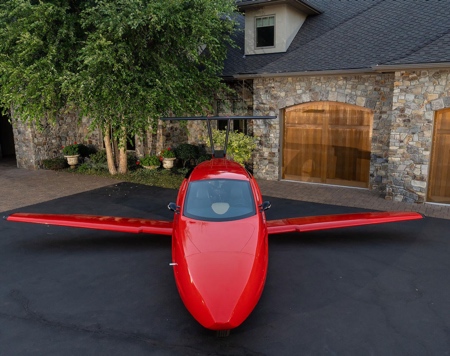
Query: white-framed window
column 265, row 31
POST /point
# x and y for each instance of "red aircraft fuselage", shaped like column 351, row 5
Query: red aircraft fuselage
column 220, row 266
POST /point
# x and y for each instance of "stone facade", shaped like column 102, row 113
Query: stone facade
column 34, row 144
column 403, row 105
column 417, row 95
column 273, row 95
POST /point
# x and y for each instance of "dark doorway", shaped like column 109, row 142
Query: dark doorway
column 7, row 149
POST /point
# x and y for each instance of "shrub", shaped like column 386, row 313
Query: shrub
column 203, row 158
column 55, row 163
column 98, row 157
column 95, row 162
column 132, row 161
column 150, row 160
column 86, row 151
column 240, row 146
column 85, row 168
column 71, row 150
column 186, row 152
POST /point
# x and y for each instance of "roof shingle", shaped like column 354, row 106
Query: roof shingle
column 356, row 35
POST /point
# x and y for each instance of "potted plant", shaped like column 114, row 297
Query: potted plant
column 168, row 158
column 150, row 161
column 71, row 153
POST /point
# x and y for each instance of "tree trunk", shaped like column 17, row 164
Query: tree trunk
column 109, row 153
column 123, row 163
column 115, row 148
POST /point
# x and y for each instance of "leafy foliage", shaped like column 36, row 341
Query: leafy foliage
column 150, row 160
column 240, row 146
column 86, row 150
column 127, row 74
column 39, row 44
column 190, row 154
column 55, row 163
column 168, row 153
column 166, row 178
column 98, row 158
column 112, row 60
column 186, row 151
column 71, row 150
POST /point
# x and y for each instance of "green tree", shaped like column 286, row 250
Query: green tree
column 38, row 48
column 123, row 63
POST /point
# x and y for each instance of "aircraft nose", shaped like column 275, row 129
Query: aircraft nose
column 223, row 282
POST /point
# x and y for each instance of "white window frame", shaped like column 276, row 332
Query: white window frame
column 256, row 30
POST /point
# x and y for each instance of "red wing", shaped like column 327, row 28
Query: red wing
column 109, row 223
column 311, row 223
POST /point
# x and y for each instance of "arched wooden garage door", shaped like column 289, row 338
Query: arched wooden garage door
column 439, row 181
column 327, row 142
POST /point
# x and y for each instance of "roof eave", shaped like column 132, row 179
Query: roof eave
column 369, row 70
column 298, row 4
column 304, row 73
column 397, row 67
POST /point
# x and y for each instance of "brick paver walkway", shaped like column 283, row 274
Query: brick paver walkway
column 22, row 187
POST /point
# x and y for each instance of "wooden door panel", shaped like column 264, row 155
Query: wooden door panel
column 439, row 180
column 302, row 153
column 327, row 143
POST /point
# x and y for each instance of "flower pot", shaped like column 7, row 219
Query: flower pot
column 72, row 160
column 150, row 167
column 168, row 162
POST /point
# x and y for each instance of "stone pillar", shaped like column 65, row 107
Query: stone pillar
column 417, row 94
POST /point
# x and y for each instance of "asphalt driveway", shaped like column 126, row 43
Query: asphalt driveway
column 380, row 290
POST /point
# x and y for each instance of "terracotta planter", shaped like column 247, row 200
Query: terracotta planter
column 168, row 162
column 72, row 160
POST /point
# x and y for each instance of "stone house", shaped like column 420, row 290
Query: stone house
column 361, row 91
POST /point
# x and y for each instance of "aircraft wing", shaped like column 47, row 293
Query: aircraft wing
column 109, row 223
column 312, row 223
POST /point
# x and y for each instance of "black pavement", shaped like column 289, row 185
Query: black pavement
column 379, row 290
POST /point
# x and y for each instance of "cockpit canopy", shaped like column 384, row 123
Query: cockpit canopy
column 219, row 200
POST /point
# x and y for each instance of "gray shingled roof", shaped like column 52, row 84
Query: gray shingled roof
column 355, row 34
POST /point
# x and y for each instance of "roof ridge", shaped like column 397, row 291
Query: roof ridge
column 419, row 47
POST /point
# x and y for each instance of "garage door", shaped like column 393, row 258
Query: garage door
column 327, row 142
column 439, row 182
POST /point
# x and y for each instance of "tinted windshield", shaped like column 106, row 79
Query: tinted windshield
column 219, row 200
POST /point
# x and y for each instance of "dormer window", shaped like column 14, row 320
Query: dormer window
column 271, row 25
column 265, row 31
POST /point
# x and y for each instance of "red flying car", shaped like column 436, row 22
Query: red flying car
column 219, row 237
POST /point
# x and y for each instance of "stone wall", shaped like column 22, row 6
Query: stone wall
column 272, row 95
column 33, row 144
column 417, row 95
